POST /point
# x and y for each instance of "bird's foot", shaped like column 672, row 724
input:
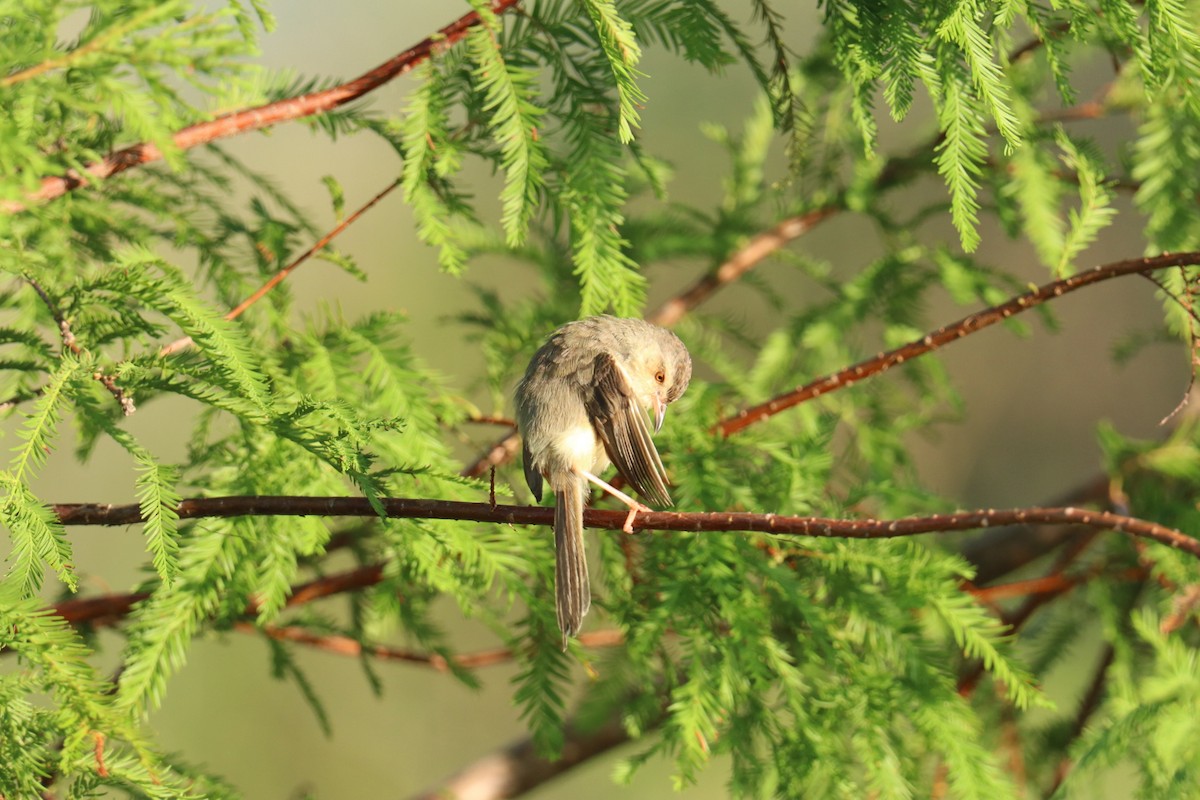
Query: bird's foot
column 633, row 512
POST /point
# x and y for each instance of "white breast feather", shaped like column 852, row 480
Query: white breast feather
column 578, row 447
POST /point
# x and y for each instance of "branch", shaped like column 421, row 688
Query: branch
column 950, row 333
column 1054, row 584
column 259, row 117
column 278, row 277
column 107, row 609
column 504, row 450
column 517, row 768
column 997, row 552
column 67, row 59
column 738, row 264
column 349, row 646
column 1088, row 706
column 710, row 521
column 71, row 343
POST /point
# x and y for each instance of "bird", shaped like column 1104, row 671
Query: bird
column 583, row 404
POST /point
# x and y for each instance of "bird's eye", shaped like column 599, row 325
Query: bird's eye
column 660, row 376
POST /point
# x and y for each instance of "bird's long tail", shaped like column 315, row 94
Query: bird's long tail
column 572, row 595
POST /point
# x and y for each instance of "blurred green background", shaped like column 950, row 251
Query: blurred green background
column 1031, row 408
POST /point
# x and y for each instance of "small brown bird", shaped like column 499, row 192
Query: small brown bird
column 581, row 405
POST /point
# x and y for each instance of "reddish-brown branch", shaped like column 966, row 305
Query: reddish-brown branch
column 109, row 609
column 264, row 116
column 71, row 343
column 503, row 451
column 358, row 578
column 1010, row 741
column 1033, row 44
column 1000, row 551
column 715, row 521
column 1183, row 609
column 1054, row 584
column 487, row 419
column 98, row 753
column 1014, row 620
column 278, row 277
column 949, row 333
column 517, row 768
column 349, row 646
column 738, row 264
column 1087, row 707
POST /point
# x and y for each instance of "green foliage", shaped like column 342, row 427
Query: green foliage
column 810, row 666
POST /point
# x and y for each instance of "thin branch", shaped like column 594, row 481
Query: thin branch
column 70, row 343
column 1087, row 707
column 23, row 397
column 709, row 521
column 109, row 609
column 349, row 646
column 1015, row 619
column 259, row 117
column 67, row 59
column 1183, row 608
column 487, row 419
column 278, row 277
column 950, row 333
column 1037, row 42
column 1054, row 584
column 503, row 451
column 738, row 264
column 517, row 768
column 1000, row 551
column 1185, row 303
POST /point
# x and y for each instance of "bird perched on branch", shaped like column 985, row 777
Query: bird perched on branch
column 583, row 404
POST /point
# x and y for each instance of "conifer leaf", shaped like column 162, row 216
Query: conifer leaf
column 509, row 94
column 617, row 39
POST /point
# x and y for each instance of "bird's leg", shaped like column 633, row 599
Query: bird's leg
column 634, row 505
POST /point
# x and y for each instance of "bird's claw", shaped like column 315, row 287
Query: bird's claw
column 633, row 512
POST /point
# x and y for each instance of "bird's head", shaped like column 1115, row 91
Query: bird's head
column 659, row 372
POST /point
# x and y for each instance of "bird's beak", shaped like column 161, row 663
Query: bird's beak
column 660, row 412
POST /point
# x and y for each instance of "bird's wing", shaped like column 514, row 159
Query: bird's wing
column 532, row 476
column 621, row 425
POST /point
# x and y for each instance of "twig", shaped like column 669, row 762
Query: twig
column 24, row 397
column 1000, row 551
column 1087, row 707
column 349, row 646
column 1053, row 584
column 1036, row 42
column 115, row 32
column 98, row 753
column 738, row 264
column 110, row 608
column 1183, row 608
column 1016, row 619
column 1010, row 740
column 259, row 117
column 1185, row 302
column 949, row 333
column 70, row 343
column 710, row 521
column 517, row 768
column 278, row 277
column 485, row 419
column 499, row 453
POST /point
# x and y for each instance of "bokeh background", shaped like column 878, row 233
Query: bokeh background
column 1032, row 407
